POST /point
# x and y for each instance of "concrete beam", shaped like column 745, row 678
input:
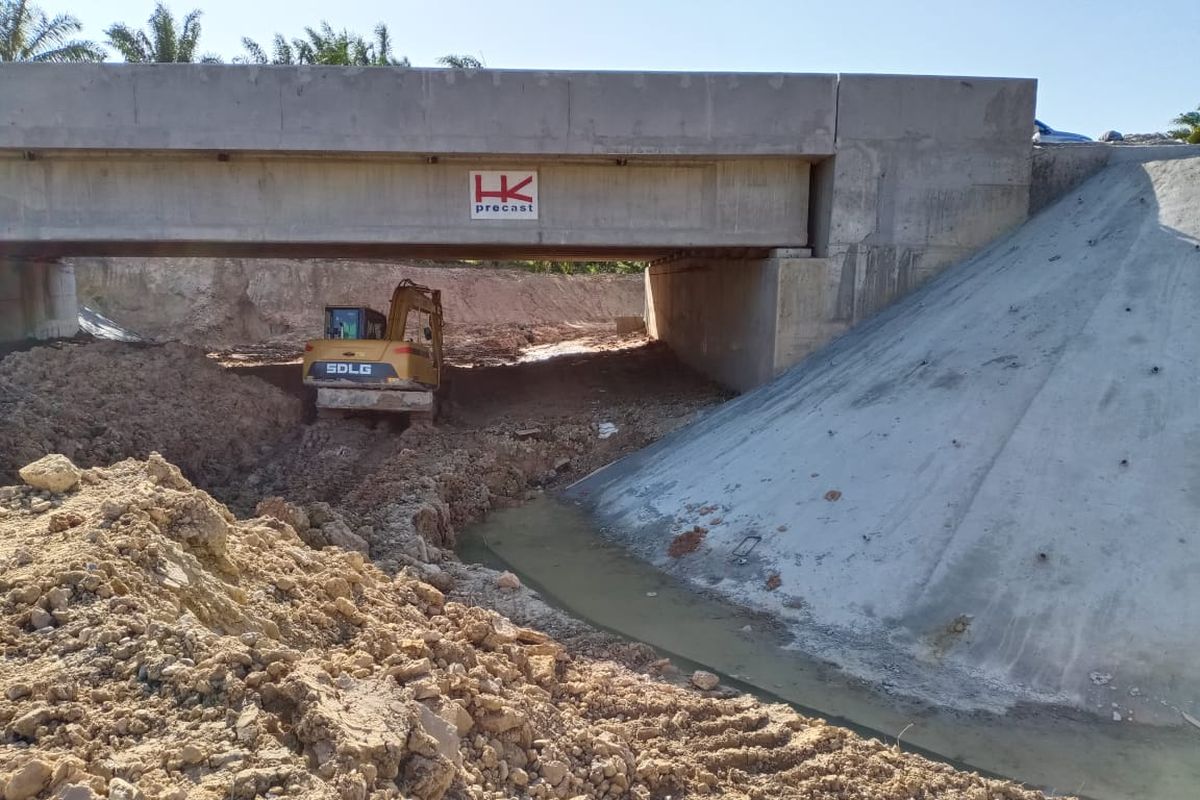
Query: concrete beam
column 77, row 204
column 417, row 111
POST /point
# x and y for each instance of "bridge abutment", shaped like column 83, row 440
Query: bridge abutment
column 742, row 321
column 37, row 300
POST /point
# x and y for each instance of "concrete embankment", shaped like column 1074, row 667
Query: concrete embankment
column 988, row 493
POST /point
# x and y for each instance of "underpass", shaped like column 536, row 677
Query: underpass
column 776, row 209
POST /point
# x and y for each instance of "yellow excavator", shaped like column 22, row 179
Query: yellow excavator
column 369, row 362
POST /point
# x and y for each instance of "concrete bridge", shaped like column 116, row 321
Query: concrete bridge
column 776, row 209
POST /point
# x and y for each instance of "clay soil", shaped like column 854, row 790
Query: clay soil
column 299, row 625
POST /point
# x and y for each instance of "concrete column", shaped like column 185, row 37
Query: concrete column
column 12, row 313
column 62, row 306
column 37, row 300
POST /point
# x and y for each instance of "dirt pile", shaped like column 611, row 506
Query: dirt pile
column 157, row 647
column 511, row 431
column 101, row 402
column 494, row 345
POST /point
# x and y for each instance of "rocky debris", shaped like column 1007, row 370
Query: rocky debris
column 194, row 655
column 318, row 524
column 507, row 580
column 511, row 431
column 53, row 473
column 28, row 780
column 705, row 681
column 1148, row 138
column 100, row 402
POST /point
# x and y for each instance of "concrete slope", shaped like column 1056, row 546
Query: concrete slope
column 989, row 493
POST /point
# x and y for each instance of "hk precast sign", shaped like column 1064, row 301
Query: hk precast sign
column 504, row 195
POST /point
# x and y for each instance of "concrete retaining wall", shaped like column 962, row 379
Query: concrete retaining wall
column 1059, row 169
column 928, row 171
column 813, row 308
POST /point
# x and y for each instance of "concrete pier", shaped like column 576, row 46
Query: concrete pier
column 37, row 300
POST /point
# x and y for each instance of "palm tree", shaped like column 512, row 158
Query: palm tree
column 1189, row 127
column 166, row 43
column 27, row 34
column 327, row 46
column 381, row 50
column 460, row 62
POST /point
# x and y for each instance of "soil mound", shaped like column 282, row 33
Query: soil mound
column 157, row 647
column 105, row 401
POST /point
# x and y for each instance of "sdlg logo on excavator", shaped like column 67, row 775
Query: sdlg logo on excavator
column 341, row 368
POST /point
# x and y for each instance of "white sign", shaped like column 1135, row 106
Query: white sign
column 504, row 195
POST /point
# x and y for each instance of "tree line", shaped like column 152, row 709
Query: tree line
column 29, row 33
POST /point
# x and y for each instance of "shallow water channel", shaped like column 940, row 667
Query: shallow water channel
column 552, row 546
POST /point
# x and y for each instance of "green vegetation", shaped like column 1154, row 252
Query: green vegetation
column 166, row 43
column 460, row 62
column 1188, row 127
column 327, row 46
column 581, row 267
column 28, row 34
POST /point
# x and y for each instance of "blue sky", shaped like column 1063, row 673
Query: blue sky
column 1100, row 64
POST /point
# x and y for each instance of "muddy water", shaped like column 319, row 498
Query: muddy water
column 553, row 548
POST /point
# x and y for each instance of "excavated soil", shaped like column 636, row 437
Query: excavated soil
column 510, row 432
column 104, row 401
column 158, row 647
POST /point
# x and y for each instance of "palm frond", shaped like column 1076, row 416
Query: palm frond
column 189, row 37
column 283, row 51
column 131, row 44
column 254, row 53
column 460, row 62
column 1189, row 118
column 76, row 52
column 27, row 34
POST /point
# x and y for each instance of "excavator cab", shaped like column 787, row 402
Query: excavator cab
column 369, row 362
column 346, row 322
